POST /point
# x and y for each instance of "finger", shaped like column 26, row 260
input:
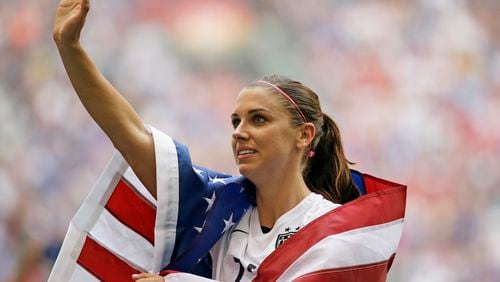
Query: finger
column 82, row 9
column 85, row 5
column 151, row 279
column 142, row 275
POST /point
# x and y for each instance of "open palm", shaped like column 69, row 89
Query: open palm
column 69, row 21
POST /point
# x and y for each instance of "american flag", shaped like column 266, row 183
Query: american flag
column 120, row 229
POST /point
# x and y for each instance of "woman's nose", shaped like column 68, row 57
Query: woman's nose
column 240, row 132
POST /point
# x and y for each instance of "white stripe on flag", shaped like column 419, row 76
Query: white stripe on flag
column 167, row 185
column 93, row 205
column 356, row 247
column 81, row 275
column 85, row 218
column 122, row 241
column 70, row 250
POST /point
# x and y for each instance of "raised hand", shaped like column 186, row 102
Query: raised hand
column 69, row 21
column 109, row 109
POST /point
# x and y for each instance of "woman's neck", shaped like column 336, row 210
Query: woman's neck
column 277, row 196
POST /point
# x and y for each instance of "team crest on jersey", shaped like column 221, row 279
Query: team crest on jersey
column 284, row 236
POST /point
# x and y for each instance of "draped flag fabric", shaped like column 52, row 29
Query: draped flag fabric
column 120, row 229
column 354, row 242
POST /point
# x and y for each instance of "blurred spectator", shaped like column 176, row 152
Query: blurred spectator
column 415, row 86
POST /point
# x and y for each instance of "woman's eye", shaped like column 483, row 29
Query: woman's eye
column 235, row 123
column 259, row 119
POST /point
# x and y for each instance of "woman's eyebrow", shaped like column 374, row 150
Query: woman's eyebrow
column 258, row 110
column 252, row 111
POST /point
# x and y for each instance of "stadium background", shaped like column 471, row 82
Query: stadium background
column 414, row 86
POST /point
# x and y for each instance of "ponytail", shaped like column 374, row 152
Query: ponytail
column 328, row 173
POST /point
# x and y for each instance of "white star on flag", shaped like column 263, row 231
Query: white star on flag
column 228, row 223
column 210, row 201
column 217, row 180
column 200, row 228
column 198, row 171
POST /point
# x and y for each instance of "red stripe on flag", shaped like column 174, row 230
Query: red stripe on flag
column 133, row 210
column 375, row 184
column 374, row 272
column 371, row 209
column 103, row 264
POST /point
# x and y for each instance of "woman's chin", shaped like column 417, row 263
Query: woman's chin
column 253, row 173
column 243, row 170
column 246, row 170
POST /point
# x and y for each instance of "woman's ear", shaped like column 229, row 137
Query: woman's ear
column 306, row 135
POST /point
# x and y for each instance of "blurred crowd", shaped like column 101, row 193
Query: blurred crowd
column 414, row 86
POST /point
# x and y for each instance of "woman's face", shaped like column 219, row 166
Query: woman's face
column 264, row 142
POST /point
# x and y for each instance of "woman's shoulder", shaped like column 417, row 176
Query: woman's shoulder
column 319, row 205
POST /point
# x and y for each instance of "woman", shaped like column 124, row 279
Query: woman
column 282, row 142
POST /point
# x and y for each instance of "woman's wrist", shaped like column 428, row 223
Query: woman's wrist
column 68, row 45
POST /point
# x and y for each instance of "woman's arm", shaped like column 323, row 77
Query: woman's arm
column 106, row 106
